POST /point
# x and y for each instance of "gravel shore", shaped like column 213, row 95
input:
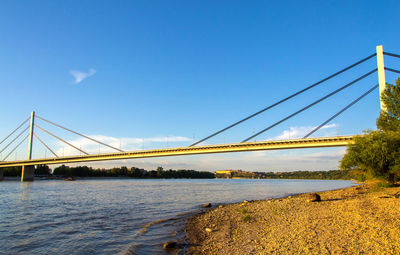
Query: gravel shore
column 357, row 220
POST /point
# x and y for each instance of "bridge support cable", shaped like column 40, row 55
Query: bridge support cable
column 391, row 54
column 310, row 105
column 94, row 140
column 16, row 147
column 341, row 111
column 285, row 99
column 62, row 140
column 14, row 130
column 45, row 145
column 392, row 70
column 23, row 131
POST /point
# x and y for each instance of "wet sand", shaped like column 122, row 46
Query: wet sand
column 356, row 220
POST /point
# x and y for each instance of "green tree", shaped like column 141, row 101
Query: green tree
column 42, row 170
column 123, row 171
column 377, row 153
column 160, row 172
column 152, row 174
column 136, row 172
column 390, row 120
column 12, row 171
column 61, row 170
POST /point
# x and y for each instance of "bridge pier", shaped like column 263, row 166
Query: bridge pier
column 1, row 174
column 27, row 173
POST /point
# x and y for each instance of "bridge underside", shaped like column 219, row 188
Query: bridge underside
column 206, row 149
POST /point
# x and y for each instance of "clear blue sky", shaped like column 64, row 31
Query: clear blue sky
column 167, row 72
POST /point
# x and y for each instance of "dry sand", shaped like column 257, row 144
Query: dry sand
column 356, row 220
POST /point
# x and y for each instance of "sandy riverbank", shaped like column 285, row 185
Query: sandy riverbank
column 356, row 220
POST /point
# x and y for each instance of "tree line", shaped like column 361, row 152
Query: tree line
column 316, row 175
column 85, row 171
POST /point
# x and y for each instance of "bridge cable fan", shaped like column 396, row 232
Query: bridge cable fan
column 285, row 99
column 45, row 145
column 23, row 131
column 61, row 140
column 94, row 140
column 341, row 111
column 15, row 130
column 310, row 105
column 16, row 147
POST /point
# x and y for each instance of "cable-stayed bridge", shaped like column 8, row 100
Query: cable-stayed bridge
column 28, row 131
column 219, row 148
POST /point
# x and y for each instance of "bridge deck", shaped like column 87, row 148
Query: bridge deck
column 220, row 148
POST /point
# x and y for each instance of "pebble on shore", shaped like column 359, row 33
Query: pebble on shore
column 314, row 197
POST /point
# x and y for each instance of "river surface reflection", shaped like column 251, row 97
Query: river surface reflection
column 109, row 216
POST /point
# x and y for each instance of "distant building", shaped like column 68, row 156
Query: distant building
column 233, row 174
column 224, row 173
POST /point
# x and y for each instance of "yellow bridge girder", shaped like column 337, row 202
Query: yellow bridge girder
column 205, row 149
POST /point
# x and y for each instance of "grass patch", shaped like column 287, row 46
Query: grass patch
column 276, row 210
column 243, row 210
column 381, row 186
column 375, row 189
column 246, row 217
column 385, row 185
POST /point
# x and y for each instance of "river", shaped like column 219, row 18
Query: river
column 120, row 216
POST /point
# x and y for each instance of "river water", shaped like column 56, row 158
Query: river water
column 120, row 216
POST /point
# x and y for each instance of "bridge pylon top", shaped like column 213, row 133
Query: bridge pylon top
column 381, row 74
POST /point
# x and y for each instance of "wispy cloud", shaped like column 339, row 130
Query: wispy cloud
column 125, row 143
column 79, row 76
column 299, row 132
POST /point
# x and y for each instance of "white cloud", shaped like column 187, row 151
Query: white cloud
column 300, row 132
column 80, row 76
column 125, row 143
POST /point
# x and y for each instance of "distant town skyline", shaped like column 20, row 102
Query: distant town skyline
column 154, row 74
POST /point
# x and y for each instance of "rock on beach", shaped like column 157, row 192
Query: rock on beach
column 314, row 197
